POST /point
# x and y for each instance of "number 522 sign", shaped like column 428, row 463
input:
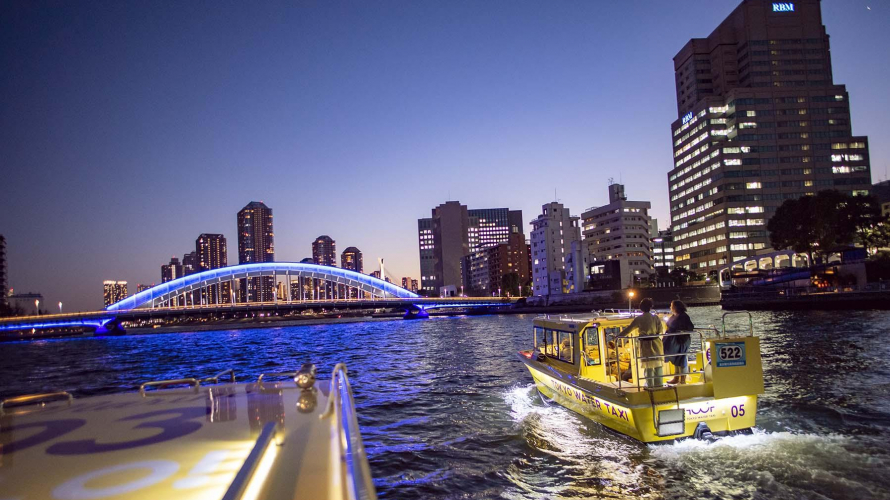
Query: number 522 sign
column 730, row 354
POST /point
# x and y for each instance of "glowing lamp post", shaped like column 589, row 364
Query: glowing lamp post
column 60, row 308
column 630, row 296
column 37, row 306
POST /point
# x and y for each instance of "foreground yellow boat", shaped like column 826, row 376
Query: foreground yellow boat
column 192, row 438
column 578, row 362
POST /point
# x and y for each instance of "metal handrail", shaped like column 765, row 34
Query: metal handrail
column 750, row 321
column 34, row 398
column 259, row 380
column 242, row 479
column 620, row 341
column 190, row 381
column 215, row 378
column 352, row 451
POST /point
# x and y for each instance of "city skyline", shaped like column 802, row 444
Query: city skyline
column 64, row 247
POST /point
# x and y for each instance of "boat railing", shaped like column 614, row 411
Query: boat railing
column 341, row 406
column 613, row 357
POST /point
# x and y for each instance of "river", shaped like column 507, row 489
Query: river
column 447, row 411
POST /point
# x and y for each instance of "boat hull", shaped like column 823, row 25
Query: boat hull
column 632, row 414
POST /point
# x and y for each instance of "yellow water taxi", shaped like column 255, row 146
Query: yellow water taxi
column 580, row 362
column 283, row 436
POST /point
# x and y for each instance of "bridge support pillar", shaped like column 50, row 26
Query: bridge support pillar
column 113, row 327
column 415, row 312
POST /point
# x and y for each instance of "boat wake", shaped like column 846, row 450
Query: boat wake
column 590, row 460
column 773, row 464
column 762, row 464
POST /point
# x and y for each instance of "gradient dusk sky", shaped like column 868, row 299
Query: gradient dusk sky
column 129, row 128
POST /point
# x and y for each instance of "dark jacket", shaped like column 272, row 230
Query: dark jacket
column 679, row 323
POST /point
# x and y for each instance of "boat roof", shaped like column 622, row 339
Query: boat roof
column 608, row 317
column 201, row 442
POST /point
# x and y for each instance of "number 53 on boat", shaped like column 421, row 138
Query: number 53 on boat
column 581, row 363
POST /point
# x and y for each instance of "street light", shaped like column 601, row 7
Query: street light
column 630, row 295
column 60, row 308
column 37, row 306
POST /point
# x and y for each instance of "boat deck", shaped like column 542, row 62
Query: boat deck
column 255, row 440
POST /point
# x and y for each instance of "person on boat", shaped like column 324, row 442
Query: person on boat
column 645, row 325
column 678, row 344
column 565, row 351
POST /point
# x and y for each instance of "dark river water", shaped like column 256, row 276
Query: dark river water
column 447, row 411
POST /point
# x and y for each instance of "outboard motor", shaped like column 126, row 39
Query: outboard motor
column 703, row 432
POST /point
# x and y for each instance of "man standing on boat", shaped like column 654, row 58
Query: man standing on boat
column 650, row 351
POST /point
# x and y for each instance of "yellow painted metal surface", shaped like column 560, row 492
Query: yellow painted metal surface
column 741, row 373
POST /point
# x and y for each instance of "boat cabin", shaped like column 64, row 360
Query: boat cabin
column 588, row 346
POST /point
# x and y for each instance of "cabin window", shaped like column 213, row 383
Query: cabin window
column 565, row 346
column 546, row 341
column 592, row 347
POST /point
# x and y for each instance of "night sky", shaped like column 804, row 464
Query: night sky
column 129, row 128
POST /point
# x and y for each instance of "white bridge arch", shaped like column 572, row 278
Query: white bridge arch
column 165, row 293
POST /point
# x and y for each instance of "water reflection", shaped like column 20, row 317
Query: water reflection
column 447, row 411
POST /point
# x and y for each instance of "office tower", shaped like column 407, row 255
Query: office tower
column 189, row 263
column 406, row 283
column 141, row 288
column 114, row 291
column 415, row 287
column 502, row 268
column 171, row 271
column 552, row 235
column 663, row 250
column 256, row 244
column 760, row 121
column 211, row 253
column 4, row 283
column 453, row 232
column 620, row 231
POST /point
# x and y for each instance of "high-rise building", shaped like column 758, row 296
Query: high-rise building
column 760, row 120
column 415, row 286
column 453, row 232
column 351, row 259
column 663, row 250
column 256, row 244
column 189, row 263
column 141, row 287
column 212, row 253
column 4, row 284
column 620, row 231
column 114, row 291
column 171, row 271
column 324, row 251
column 552, row 235
column 500, row 268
